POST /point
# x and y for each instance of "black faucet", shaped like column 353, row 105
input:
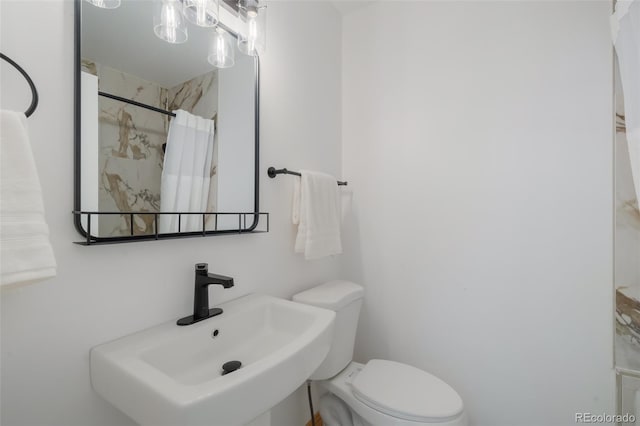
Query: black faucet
column 201, row 309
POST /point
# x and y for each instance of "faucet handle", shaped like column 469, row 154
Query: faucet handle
column 202, row 267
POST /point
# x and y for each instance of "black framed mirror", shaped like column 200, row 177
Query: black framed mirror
column 166, row 144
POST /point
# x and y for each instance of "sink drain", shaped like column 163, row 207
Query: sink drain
column 230, row 367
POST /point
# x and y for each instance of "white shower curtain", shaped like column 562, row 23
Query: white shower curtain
column 625, row 25
column 186, row 172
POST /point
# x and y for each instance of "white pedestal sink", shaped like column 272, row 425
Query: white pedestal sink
column 172, row 375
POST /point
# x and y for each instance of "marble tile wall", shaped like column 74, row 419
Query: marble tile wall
column 131, row 139
column 627, row 250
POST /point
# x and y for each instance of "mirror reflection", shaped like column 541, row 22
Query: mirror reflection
column 162, row 129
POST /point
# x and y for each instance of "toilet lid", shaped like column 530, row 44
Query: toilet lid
column 406, row 392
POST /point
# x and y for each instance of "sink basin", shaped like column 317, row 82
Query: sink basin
column 172, row 375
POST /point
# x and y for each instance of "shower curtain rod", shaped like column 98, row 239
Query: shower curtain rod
column 272, row 172
column 141, row 105
column 138, row 104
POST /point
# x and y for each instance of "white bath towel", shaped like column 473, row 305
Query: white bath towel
column 316, row 211
column 26, row 254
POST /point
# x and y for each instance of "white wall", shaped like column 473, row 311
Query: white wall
column 102, row 293
column 235, row 140
column 477, row 138
column 90, row 153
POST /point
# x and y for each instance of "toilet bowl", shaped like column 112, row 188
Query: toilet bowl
column 408, row 406
column 380, row 392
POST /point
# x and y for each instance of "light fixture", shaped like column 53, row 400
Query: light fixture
column 203, row 13
column 105, row 4
column 169, row 23
column 253, row 34
column 221, row 51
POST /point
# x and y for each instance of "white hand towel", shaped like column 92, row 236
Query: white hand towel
column 25, row 251
column 316, row 210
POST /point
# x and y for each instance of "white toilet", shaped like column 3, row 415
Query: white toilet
column 380, row 392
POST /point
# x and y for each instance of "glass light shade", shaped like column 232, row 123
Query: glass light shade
column 203, row 13
column 252, row 37
column 105, row 4
column 221, row 50
column 168, row 22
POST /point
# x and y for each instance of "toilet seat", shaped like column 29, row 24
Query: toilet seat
column 406, row 392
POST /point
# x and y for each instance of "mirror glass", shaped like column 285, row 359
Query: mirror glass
column 141, row 160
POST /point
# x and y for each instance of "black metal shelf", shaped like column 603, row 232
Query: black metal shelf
column 248, row 223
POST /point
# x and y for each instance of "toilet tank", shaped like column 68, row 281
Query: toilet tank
column 345, row 299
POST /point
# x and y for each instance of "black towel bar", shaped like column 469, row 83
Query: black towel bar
column 273, row 172
column 34, row 91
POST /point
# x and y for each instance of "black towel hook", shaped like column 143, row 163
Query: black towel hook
column 34, row 92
